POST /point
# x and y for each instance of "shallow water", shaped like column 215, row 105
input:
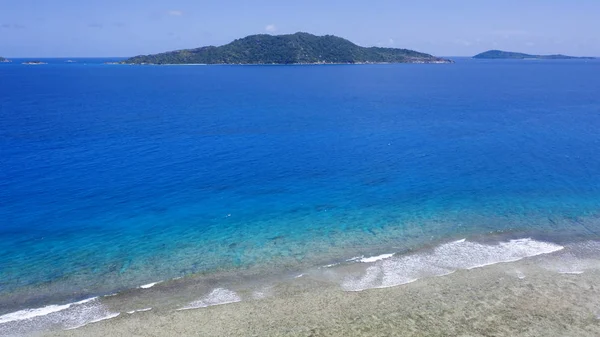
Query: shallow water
column 114, row 177
column 538, row 293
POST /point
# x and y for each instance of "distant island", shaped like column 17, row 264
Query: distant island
column 298, row 48
column 34, row 62
column 499, row 54
column 3, row 60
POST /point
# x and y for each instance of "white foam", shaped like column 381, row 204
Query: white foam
column 443, row 260
column 299, row 276
column 216, row 297
column 104, row 318
column 576, row 272
column 67, row 316
column 31, row 313
column 150, row 285
column 375, row 258
column 329, row 265
column 138, row 310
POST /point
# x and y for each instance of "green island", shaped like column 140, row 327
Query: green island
column 3, row 60
column 499, row 54
column 298, row 48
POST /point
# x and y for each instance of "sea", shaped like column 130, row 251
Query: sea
column 130, row 188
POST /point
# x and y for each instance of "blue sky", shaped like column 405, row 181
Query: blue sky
column 55, row 28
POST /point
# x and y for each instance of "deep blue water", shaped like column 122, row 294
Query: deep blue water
column 115, row 176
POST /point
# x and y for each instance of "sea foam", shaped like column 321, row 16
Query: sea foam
column 64, row 316
column 139, row 310
column 216, row 297
column 96, row 320
column 150, row 285
column 375, row 258
column 37, row 312
column 445, row 259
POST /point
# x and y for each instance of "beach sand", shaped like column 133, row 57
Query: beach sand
column 507, row 299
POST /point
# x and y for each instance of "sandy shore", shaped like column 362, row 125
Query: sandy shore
column 508, row 299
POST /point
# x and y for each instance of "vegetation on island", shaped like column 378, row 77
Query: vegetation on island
column 34, row 62
column 499, row 54
column 298, row 48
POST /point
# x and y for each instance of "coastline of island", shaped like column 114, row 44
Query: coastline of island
column 500, row 54
column 34, row 63
column 293, row 49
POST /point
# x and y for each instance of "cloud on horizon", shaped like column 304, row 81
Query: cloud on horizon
column 271, row 28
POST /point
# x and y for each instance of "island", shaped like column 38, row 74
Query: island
column 499, row 54
column 298, row 48
column 34, row 62
column 3, row 60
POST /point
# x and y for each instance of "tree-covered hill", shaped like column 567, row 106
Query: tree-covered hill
column 298, row 48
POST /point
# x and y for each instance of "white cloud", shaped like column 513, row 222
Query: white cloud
column 271, row 28
column 175, row 13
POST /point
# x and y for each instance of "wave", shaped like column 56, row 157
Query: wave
column 37, row 312
column 216, row 297
column 138, row 310
column 443, row 260
column 96, row 320
column 150, row 285
column 64, row 316
column 372, row 258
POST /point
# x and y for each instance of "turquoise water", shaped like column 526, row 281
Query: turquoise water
column 117, row 176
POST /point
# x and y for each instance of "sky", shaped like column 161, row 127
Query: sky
column 88, row 28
